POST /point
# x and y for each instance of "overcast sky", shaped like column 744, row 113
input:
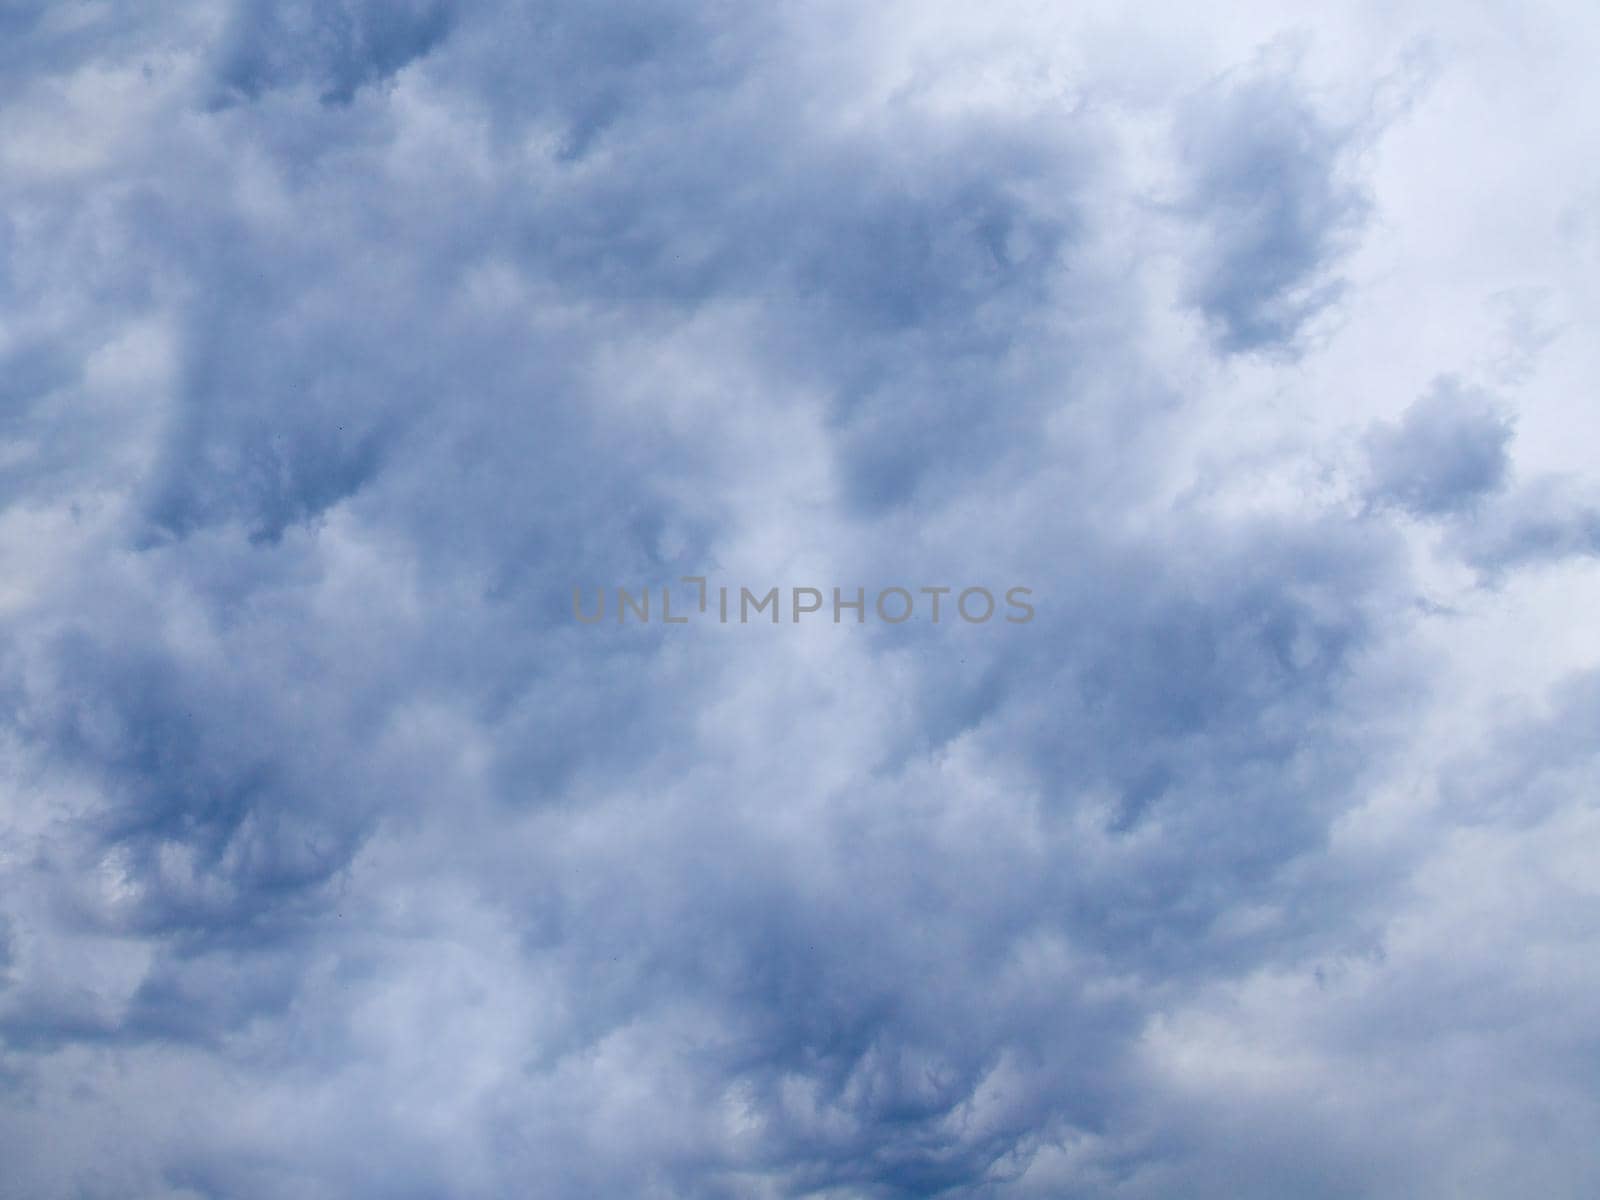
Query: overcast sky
column 340, row 340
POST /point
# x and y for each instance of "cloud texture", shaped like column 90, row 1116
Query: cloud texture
column 339, row 341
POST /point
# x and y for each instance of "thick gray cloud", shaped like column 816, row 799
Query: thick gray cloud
column 336, row 47
column 1445, row 454
column 1265, row 178
column 1447, row 460
column 341, row 341
column 1547, row 520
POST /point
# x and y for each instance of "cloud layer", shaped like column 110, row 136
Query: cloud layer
column 340, row 341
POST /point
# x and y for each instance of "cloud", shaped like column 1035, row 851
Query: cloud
column 1447, row 452
column 1448, row 460
column 337, row 48
column 1547, row 520
column 341, row 342
column 1266, row 180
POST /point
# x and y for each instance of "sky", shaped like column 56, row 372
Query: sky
column 341, row 340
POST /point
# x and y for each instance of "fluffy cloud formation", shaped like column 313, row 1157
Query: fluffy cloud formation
column 340, row 341
column 1448, row 451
